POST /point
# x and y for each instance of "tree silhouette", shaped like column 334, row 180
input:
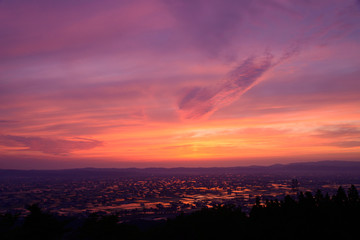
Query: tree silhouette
column 353, row 195
column 105, row 227
column 41, row 225
column 340, row 197
column 7, row 225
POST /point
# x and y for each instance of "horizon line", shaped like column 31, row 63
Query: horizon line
column 195, row 167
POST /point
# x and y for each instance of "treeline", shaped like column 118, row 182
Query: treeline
column 307, row 216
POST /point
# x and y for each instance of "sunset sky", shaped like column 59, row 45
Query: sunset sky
column 178, row 83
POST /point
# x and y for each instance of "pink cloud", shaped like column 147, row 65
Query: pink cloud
column 201, row 102
column 52, row 146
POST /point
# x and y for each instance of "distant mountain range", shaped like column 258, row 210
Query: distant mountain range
column 305, row 168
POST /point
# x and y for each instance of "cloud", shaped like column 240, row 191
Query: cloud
column 49, row 145
column 331, row 26
column 199, row 102
column 339, row 131
column 342, row 135
column 346, row 144
column 3, row 121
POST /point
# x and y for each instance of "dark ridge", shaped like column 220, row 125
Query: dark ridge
column 306, row 168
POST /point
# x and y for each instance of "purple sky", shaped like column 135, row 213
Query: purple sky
column 178, row 83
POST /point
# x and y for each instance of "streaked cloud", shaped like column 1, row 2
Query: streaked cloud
column 200, row 102
column 339, row 131
column 346, row 144
column 54, row 146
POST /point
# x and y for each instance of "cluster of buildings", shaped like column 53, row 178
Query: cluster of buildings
column 146, row 197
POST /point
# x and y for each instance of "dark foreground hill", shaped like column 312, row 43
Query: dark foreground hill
column 321, row 168
column 308, row 216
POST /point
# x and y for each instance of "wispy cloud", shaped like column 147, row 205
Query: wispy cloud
column 346, row 144
column 342, row 135
column 339, row 131
column 199, row 102
column 202, row 101
column 54, row 146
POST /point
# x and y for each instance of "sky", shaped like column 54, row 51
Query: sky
column 168, row 83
